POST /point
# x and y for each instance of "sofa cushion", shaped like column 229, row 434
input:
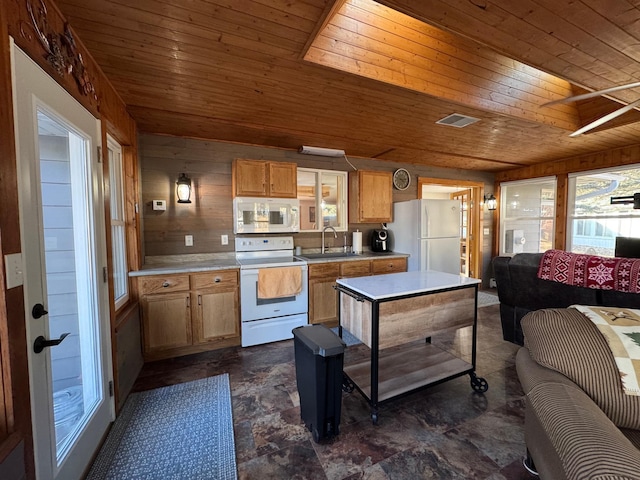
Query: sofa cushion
column 566, row 341
column 518, row 285
column 586, row 444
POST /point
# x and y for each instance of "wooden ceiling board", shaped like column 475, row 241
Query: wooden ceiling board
column 529, row 32
column 233, row 70
column 375, row 43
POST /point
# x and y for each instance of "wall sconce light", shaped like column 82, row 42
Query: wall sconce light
column 183, row 189
column 491, row 202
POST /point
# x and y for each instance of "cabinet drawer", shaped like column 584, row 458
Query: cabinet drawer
column 355, row 269
column 319, row 270
column 389, row 265
column 163, row 283
column 214, row 279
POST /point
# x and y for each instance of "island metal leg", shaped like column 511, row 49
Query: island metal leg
column 375, row 337
column 478, row 384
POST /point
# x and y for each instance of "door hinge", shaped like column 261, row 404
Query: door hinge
column 136, row 207
column 99, row 154
column 105, row 275
column 111, row 388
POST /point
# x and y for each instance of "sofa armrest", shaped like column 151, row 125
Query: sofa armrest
column 531, row 373
column 584, row 443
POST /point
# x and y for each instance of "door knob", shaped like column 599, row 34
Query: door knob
column 38, row 311
column 41, row 343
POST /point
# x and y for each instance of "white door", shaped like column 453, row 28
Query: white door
column 64, row 254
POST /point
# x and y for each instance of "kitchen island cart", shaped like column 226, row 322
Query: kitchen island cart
column 395, row 316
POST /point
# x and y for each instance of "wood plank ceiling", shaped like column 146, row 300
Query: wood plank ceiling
column 373, row 78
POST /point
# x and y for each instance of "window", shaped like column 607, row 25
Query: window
column 118, row 224
column 527, row 209
column 593, row 223
column 323, row 199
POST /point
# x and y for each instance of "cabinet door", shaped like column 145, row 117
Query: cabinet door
column 283, row 180
column 249, row 178
column 370, row 196
column 216, row 314
column 388, row 265
column 323, row 301
column 358, row 268
column 166, row 321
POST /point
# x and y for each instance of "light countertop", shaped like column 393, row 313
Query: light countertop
column 352, row 258
column 379, row 287
column 175, row 264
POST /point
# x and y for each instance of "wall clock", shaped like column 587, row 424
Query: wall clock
column 401, row 179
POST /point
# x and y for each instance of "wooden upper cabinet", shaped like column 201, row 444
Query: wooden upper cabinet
column 370, row 196
column 283, row 180
column 258, row 178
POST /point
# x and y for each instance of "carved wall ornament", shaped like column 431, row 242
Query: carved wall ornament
column 61, row 51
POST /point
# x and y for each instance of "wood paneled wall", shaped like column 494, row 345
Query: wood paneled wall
column 16, row 445
column 581, row 163
column 208, row 163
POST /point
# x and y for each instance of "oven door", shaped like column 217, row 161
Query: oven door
column 254, row 308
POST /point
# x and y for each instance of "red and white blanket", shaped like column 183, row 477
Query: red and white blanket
column 590, row 271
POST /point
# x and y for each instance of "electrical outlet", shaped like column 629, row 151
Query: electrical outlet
column 224, row 239
column 188, row 240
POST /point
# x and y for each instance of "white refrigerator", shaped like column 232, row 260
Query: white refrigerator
column 429, row 231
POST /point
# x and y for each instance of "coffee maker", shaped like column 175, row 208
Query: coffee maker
column 380, row 241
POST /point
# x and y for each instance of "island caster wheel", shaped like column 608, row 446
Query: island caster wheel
column 479, row 384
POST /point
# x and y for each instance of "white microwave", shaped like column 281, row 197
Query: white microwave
column 266, row 215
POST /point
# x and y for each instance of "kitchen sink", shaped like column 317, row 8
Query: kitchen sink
column 315, row 256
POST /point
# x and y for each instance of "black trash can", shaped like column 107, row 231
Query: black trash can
column 319, row 355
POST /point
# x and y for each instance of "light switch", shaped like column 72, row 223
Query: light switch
column 486, row 231
column 13, row 268
column 188, row 240
column 224, row 239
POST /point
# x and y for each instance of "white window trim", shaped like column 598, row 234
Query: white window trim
column 116, row 148
column 571, row 199
column 343, row 203
column 504, row 218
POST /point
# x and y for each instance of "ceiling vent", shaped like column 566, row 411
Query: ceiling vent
column 457, row 120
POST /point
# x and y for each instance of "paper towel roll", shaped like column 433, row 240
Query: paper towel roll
column 356, row 242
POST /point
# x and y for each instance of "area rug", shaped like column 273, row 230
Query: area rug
column 487, row 299
column 182, row 431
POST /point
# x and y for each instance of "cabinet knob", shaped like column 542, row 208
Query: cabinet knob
column 165, row 284
column 217, row 280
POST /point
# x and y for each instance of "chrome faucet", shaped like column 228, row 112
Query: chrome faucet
column 335, row 235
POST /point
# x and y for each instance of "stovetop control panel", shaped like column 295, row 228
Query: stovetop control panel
column 261, row 244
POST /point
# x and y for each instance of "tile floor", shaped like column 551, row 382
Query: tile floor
column 443, row 432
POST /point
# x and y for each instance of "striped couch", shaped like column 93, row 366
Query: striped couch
column 579, row 424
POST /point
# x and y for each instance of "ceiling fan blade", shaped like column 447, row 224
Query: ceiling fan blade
column 606, row 118
column 597, row 93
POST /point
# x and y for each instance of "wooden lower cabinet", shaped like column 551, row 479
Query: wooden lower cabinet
column 388, row 265
column 216, row 316
column 323, row 298
column 166, row 319
column 323, row 301
column 204, row 315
